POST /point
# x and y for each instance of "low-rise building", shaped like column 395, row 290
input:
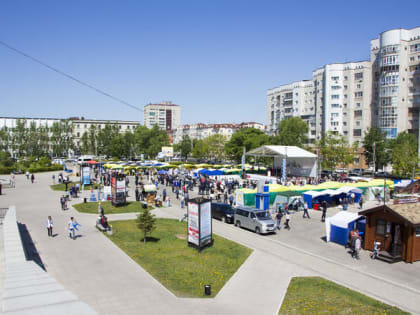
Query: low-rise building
column 201, row 131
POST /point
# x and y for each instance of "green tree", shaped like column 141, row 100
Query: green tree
column 375, row 147
column 335, row 150
column 145, row 222
column 19, row 136
column 200, row 149
column 404, row 154
column 292, row 131
column 216, row 145
column 184, row 146
column 92, row 139
column 250, row 138
column 84, row 141
column 150, row 141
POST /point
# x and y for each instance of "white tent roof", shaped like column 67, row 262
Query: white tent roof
column 281, row 150
column 315, row 193
column 343, row 218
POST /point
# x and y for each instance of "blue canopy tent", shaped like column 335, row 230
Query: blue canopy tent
column 210, row 172
column 313, row 197
column 338, row 227
column 162, row 172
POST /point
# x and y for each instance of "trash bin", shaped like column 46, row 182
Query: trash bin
column 207, row 289
column 84, row 200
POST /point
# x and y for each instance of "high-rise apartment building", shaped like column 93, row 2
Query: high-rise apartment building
column 395, row 56
column 166, row 115
column 343, row 99
column 348, row 98
column 337, row 99
column 294, row 99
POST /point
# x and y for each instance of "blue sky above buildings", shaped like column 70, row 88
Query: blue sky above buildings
column 215, row 58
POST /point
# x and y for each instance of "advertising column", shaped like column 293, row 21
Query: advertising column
column 199, row 223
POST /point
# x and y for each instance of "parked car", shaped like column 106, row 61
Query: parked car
column 356, row 172
column 255, row 220
column 382, row 175
column 222, row 211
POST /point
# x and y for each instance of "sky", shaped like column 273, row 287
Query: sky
column 216, row 59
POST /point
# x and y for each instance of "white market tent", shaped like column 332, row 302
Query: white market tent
column 299, row 162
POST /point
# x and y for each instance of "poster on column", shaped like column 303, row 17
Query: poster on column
column 193, row 224
column 205, row 223
column 86, row 175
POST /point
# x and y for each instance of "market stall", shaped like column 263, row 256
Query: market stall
column 338, row 227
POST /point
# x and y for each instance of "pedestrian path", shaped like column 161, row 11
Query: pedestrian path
column 100, row 274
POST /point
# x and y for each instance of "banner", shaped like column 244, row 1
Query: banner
column 283, row 173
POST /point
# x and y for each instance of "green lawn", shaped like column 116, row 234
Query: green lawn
column 181, row 269
column 62, row 187
column 315, row 295
column 92, row 207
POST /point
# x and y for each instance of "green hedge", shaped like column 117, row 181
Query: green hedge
column 8, row 170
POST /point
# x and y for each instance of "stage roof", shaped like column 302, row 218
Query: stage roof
column 282, row 151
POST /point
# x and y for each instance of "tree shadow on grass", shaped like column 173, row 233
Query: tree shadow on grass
column 151, row 239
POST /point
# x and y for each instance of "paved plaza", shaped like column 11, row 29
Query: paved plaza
column 101, row 275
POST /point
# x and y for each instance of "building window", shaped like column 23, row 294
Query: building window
column 358, row 94
column 78, row 134
column 335, row 78
column 345, row 78
column 357, row 132
column 358, row 76
column 380, row 227
column 335, row 96
column 358, row 113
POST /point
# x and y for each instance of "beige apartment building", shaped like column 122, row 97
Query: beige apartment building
column 290, row 100
column 395, row 56
column 201, row 131
column 166, row 115
column 81, row 125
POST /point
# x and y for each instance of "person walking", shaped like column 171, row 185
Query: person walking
column 53, row 179
column 279, row 215
column 100, row 209
column 305, row 210
column 32, row 178
column 168, row 201
column 287, row 223
column 231, row 200
column 361, row 203
column 182, row 202
column 50, row 226
column 63, row 202
column 357, row 247
column 324, row 210
column 70, row 226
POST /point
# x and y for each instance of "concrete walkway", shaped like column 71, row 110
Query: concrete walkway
column 103, row 276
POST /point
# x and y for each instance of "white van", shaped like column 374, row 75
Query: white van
column 85, row 158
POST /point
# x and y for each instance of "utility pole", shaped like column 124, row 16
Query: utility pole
column 374, row 158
